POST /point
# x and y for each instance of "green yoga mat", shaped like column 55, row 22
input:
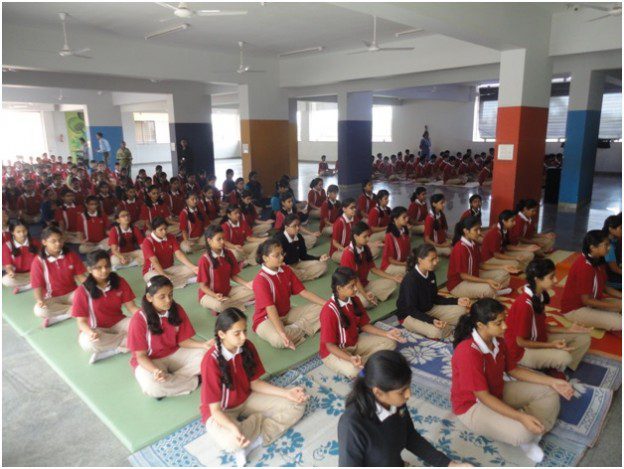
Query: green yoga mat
column 109, row 387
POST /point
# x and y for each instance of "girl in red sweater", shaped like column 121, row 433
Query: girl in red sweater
column 192, row 224
column 348, row 338
column 397, row 245
column 525, row 230
column 241, row 411
column 530, row 341
column 496, row 250
column 436, row 227
column 94, row 224
column 125, row 242
column 18, row 252
column 238, row 236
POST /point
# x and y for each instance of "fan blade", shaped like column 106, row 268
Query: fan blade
column 358, row 52
column 81, row 56
column 255, row 71
column 165, row 20
column 220, row 13
column 395, row 48
column 166, row 5
column 599, row 18
column 595, row 7
column 81, row 51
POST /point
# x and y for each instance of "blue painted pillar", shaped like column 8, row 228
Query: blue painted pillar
column 102, row 115
column 190, row 119
column 579, row 153
column 355, row 136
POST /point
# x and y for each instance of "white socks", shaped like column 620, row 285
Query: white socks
column 504, row 291
column 22, row 289
column 240, row 456
column 192, row 280
column 97, row 356
column 533, row 451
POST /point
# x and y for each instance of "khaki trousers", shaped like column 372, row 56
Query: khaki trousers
column 86, row 247
column 178, row 274
column 173, row 229
column 379, row 236
column 417, row 229
column 445, row 251
column 367, row 344
column 309, row 270
column 31, row 219
column 315, row 213
column 328, row 230
column 537, row 400
column 422, row 180
column 132, row 256
column 109, row 339
column 481, row 290
column 523, row 257
column 183, row 366
column 394, row 269
column 310, row 240
column 192, row 245
column 55, row 306
column 238, row 296
column 262, row 228
column 73, row 237
column 248, row 253
column 540, row 358
column 607, row 320
column 264, row 416
column 546, row 244
column 382, row 288
column 19, row 280
column 447, row 313
column 301, row 321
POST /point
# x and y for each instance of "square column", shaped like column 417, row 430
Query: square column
column 355, row 135
column 268, row 132
column 579, row 152
column 523, row 101
column 103, row 116
column 190, row 119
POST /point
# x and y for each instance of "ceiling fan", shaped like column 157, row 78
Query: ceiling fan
column 615, row 11
column 67, row 51
column 242, row 68
column 184, row 12
column 374, row 46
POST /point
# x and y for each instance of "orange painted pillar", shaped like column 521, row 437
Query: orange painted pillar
column 267, row 135
column 523, row 99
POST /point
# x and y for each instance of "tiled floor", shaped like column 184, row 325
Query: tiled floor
column 570, row 227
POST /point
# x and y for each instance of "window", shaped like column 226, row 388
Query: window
column 22, row 135
column 151, row 127
column 611, row 116
column 323, row 122
column 298, row 126
column 225, row 125
column 486, row 109
column 382, row 123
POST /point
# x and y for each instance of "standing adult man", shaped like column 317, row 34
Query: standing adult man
column 124, row 158
column 105, row 147
column 185, row 156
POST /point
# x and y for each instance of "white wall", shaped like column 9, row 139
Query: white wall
column 450, row 125
column 54, row 126
column 145, row 156
column 226, row 144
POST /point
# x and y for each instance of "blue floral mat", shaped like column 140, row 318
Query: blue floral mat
column 304, row 445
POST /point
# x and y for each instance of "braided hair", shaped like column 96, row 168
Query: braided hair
column 15, row 251
column 120, row 236
column 359, row 228
column 226, row 319
column 191, row 216
column 90, row 284
column 419, row 190
column 441, row 221
column 538, row 268
column 153, row 321
column 210, row 233
column 483, row 310
column 502, row 218
column 341, row 277
column 380, row 195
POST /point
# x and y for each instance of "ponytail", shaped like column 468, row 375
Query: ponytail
column 483, row 311
column 538, row 268
column 420, row 252
column 467, row 223
column 504, row 216
column 226, row 319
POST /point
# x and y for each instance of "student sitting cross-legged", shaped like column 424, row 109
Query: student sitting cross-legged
column 420, row 308
column 165, row 357
column 529, row 339
column 517, row 412
column 217, row 266
column 19, row 250
column 102, row 326
column 274, row 319
column 125, row 242
column 305, row 266
column 240, row 411
column 347, row 337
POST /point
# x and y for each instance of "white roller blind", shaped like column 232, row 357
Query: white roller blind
column 611, row 116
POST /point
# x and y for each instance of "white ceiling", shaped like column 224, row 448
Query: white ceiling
column 273, row 28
